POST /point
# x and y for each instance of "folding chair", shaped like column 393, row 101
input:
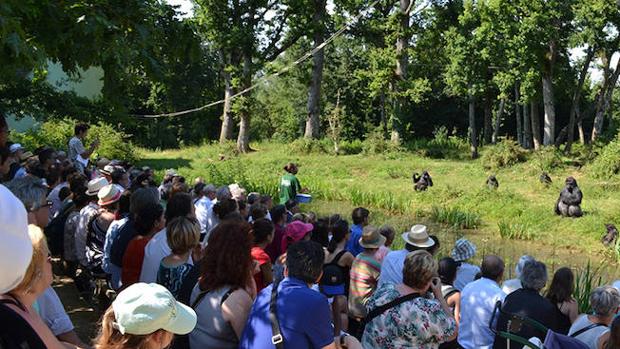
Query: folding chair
column 515, row 323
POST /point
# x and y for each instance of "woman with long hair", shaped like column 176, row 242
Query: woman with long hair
column 560, row 294
column 223, row 296
column 263, row 235
column 613, row 341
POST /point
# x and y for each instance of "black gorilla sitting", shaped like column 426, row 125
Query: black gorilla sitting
column 545, row 179
column 492, row 182
column 421, row 183
column 569, row 202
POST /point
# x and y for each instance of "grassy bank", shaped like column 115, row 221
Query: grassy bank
column 517, row 218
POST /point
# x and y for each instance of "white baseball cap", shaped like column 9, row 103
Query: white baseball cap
column 15, row 147
column 142, row 309
column 15, row 244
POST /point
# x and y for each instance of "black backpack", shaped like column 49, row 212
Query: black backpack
column 333, row 281
column 55, row 230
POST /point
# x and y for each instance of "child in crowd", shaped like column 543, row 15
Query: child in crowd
column 263, row 235
column 183, row 235
column 389, row 233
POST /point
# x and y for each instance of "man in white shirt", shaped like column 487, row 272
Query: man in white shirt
column 478, row 300
column 206, row 197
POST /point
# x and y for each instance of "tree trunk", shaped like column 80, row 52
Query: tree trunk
column 527, row 129
column 549, row 107
column 488, row 119
column 518, row 114
column 402, row 59
column 226, row 132
column 582, row 134
column 384, row 123
column 498, row 120
column 243, row 140
column 576, row 98
column 314, row 95
column 535, row 125
column 473, row 136
column 604, row 103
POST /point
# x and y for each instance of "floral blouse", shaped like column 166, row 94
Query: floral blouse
column 420, row 323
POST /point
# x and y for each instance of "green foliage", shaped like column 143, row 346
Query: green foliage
column 351, row 147
column 607, row 163
column 376, row 143
column 310, row 146
column 443, row 145
column 586, row 280
column 547, row 159
column 505, row 153
column 455, row 217
column 509, row 229
column 56, row 133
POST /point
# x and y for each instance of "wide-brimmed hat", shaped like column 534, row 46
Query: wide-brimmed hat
column 170, row 172
column 463, row 250
column 143, row 309
column 103, row 162
column 15, row 147
column 16, row 246
column 108, row 169
column 25, row 156
column 371, row 238
column 418, row 236
column 95, row 185
column 108, row 195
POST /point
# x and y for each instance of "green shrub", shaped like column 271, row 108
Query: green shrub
column 375, row 143
column 455, row 217
column 547, row 158
column 607, row 164
column 56, row 133
column 586, row 280
column 351, row 147
column 443, row 145
column 515, row 231
column 311, row 146
column 505, row 153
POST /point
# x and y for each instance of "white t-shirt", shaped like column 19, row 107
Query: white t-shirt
column 202, row 207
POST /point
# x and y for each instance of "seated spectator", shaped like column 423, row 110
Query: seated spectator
column 52, row 312
column 320, row 233
column 86, row 215
column 220, row 210
column 237, row 193
column 224, row 293
column 294, row 232
column 180, row 205
column 389, row 234
column 392, row 266
column 303, row 314
column 452, row 296
column 560, row 293
column 611, row 340
column 79, row 199
column 360, row 220
column 5, row 164
column 463, row 251
column 149, row 220
column 183, row 235
column 527, row 301
column 417, row 323
column 512, row 285
column 292, row 208
column 365, row 272
column 122, row 217
column 16, row 153
column 144, row 316
column 32, row 192
column 478, row 300
column 120, row 178
column 263, row 235
column 54, row 195
column 278, row 217
column 98, row 226
column 257, row 211
column 340, row 258
column 591, row 329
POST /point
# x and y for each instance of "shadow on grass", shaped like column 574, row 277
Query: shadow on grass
column 162, row 164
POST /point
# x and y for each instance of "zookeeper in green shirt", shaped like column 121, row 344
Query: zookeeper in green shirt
column 289, row 184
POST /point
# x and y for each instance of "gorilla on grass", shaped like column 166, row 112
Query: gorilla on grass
column 569, row 202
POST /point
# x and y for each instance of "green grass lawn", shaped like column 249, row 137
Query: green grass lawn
column 459, row 204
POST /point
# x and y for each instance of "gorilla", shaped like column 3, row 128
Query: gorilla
column 611, row 236
column 545, row 179
column 421, row 183
column 492, row 182
column 569, row 202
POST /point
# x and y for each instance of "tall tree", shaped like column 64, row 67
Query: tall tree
column 314, row 95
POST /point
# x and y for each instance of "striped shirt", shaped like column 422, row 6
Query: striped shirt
column 364, row 276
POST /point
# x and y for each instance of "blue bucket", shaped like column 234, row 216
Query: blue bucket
column 303, row 198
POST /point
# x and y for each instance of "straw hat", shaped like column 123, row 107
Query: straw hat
column 418, row 236
column 108, row 195
column 95, row 185
column 371, row 238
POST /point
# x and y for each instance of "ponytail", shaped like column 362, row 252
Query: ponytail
column 339, row 233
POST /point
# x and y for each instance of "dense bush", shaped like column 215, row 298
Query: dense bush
column 376, row 143
column 607, row 163
column 547, row 158
column 505, row 153
column 443, row 145
column 56, row 133
column 351, row 147
column 311, row 146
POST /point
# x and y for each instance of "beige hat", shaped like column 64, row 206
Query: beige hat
column 418, row 236
column 371, row 238
column 108, row 195
column 95, row 185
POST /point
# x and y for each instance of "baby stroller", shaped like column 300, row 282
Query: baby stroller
column 552, row 340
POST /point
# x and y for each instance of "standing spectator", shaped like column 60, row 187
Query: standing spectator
column 364, row 276
column 180, row 205
column 303, row 314
column 528, row 302
column 120, row 178
column 592, row 329
column 512, row 285
column 224, row 293
column 144, row 316
column 205, row 195
column 183, row 235
column 289, row 184
column 360, row 220
column 263, row 235
column 463, row 251
column 560, row 294
column 418, row 323
column 611, row 340
column 392, row 266
column 77, row 185
column 54, row 195
column 99, row 224
column 339, row 261
column 478, row 300
column 149, row 220
column 452, row 296
column 389, row 234
column 278, row 216
column 121, row 219
column 77, row 153
column 86, row 215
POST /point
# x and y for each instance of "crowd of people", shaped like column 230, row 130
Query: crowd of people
column 201, row 266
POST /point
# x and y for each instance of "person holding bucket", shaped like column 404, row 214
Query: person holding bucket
column 290, row 186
